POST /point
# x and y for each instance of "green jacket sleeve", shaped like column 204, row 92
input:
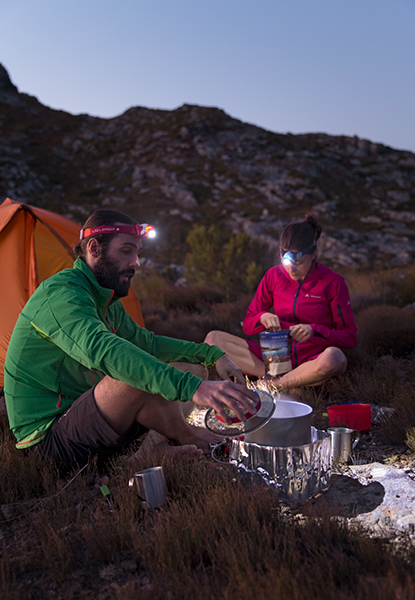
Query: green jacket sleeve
column 165, row 348
column 78, row 330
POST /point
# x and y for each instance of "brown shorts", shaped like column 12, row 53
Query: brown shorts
column 82, row 433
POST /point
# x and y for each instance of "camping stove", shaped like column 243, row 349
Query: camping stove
column 296, row 471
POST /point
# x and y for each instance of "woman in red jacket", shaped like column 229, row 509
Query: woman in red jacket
column 310, row 300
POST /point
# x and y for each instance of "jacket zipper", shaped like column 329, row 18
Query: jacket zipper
column 108, row 323
column 105, row 312
column 294, row 344
column 339, row 312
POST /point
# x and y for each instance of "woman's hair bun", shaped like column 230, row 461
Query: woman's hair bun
column 298, row 236
column 311, row 219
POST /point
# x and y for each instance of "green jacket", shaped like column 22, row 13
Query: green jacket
column 70, row 334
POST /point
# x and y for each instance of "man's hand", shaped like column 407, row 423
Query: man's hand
column 215, row 394
column 270, row 321
column 301, row 332
column 226, row 369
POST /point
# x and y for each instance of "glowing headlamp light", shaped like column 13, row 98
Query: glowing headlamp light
column 291, row 258
column 142, row 231
column 147, row 231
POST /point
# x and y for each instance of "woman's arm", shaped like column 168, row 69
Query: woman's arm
column 260, row 305
column 343, row 334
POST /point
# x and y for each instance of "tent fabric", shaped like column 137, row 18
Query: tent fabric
column 35, row 244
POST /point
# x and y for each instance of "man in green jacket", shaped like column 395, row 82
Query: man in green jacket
column 83, row 379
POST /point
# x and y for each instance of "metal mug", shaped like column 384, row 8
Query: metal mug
column 151, row 487
column 342, row 444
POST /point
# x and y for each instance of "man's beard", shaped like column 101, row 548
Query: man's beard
column 108, row 276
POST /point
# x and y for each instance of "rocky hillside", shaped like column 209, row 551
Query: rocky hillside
column 198, row 165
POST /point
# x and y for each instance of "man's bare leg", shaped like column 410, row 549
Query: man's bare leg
column 122, row 405
column 238, row 351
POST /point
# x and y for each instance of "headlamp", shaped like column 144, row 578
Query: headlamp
column 142, row 231
column 289, row 257
column 147, row 231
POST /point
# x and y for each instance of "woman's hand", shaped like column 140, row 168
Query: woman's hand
column 270, row 321
column 301, row 332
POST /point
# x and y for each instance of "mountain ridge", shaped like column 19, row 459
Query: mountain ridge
column 197, row 165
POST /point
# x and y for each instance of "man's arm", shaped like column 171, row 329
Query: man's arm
column 165, row 348
column 69, row 319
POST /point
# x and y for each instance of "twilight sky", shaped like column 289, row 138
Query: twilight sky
column 300, row 66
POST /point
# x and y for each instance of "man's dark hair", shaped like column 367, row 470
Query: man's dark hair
column 98, row 218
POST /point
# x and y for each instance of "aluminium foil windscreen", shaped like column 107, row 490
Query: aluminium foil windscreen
column 296, row 472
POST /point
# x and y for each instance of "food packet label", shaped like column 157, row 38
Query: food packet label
column 275, row 346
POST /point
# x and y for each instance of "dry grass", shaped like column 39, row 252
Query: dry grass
column 217, row 537
column 410, row 438
column 392, row 286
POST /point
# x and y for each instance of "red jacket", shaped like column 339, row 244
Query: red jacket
column 322, row 300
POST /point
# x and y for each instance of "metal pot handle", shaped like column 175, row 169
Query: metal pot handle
column 214, row 447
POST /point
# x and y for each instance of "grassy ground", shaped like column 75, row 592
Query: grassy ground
column 217, row 536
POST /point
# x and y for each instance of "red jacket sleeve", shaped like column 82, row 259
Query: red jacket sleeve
column 344, row 331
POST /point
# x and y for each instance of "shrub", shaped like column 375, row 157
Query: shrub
column 392, row 287
column 410, row 439
column 386, row 330
column 400, row 426
column 232, row 262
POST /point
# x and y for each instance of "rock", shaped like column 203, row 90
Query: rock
column 378, row 497
column 395, row 514
column 129, row 565
column 113, row 201
column 209, row 165
column 6, row 84
column 180, row 194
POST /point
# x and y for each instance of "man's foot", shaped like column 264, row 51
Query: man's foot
column 164, row 448
column 200, row 437
column 193, row 443
column 188, row 450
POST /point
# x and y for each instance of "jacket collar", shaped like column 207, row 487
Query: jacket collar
column 315, row 273
column 103, row 295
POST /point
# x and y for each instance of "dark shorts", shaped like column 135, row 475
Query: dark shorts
column 82, row 433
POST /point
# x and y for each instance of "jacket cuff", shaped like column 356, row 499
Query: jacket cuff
column 213, row 355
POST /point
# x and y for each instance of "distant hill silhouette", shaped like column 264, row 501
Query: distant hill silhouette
column 198, row 165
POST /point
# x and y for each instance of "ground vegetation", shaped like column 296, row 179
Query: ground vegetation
column 217, row 536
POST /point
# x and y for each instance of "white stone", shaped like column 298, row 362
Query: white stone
column 395, row 514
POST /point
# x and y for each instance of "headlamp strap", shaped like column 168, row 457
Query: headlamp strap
column 296, row 255
column 136, row 229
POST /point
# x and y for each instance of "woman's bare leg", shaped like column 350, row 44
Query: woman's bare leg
column 314, row 372
column 238, row 351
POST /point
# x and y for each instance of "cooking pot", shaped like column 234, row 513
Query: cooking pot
column 290, row 425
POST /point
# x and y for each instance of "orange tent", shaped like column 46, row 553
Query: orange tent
column 35, row 244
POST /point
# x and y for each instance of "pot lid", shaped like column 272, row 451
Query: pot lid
column 260, row 418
